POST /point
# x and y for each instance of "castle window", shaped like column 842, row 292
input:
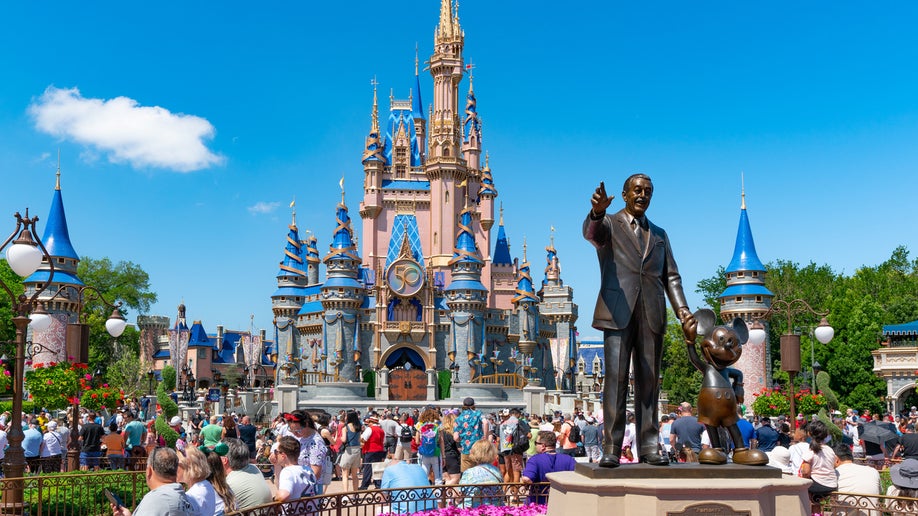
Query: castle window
column 739, row 299
column 202, row 353
column 755, row 274
column 740, row 274
column 446, row 151
column 758, row 299
column 401, row 153
column 446, row 197
column 435, row 238
column 400, row 171
column 60, row 260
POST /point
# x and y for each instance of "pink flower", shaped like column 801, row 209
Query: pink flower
column 50, row 382
column 6, row 373
column 88, row 377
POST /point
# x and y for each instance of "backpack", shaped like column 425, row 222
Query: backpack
column 574, row 435
column 428, row 447
column 407, row 434
column 520, row 438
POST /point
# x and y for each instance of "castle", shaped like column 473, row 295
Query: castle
column 430, row 296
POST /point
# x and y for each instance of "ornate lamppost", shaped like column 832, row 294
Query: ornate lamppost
column 24, row 256
column 77, row 346
column 790, row 341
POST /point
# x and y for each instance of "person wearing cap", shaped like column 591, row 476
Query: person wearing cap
column 590, row 437
column 470, row 428
column 904, row 478
column 372, row 440
column 51, row 449
column 544, row 462
column 766, row 437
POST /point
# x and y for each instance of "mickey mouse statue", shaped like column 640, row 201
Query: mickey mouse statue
column 722, row 386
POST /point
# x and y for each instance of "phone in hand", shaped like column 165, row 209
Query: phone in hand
column 113, row 498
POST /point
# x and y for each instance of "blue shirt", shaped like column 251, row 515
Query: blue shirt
column 745, row 428
column 403, row 474
column 31, row 442
column 767, row 437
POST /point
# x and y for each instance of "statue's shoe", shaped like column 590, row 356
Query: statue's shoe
column 609, row 460
column 714, row 456
column 750, row 457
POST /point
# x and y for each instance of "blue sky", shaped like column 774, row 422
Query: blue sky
column 186, row 128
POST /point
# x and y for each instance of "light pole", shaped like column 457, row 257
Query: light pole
column 24, row 256
column 77, row 345
column 790, row 341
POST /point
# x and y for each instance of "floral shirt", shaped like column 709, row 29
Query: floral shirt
column 470, row 429
column 476, row 495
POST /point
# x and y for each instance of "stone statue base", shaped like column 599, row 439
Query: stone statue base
column 676, row 490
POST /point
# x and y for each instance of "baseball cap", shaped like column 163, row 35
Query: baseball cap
column 505, row 412
column 175, row 421
column 468, row 402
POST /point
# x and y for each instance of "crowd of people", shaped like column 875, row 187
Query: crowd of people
column 225, row 462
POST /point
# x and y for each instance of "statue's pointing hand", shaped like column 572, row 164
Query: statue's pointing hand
column 601, row 201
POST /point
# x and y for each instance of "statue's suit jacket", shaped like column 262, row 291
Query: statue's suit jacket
column 630, row 272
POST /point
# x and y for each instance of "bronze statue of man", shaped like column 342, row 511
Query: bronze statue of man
column 637, row 272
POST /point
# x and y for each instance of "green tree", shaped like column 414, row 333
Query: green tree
column 124, row 281
column 711, row 289
column 681, row 381
column 125, row 372
column 7, row 329
column 170, row 409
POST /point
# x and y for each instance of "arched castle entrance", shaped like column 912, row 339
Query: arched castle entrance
column 407, row 374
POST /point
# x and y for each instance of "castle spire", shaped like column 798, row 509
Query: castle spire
column 524, row 289
column 57, row 186
column 373, row 150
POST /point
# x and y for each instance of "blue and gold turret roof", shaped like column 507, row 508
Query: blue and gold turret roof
column 466, row 250
column 342, row 246
column 524, row 289
column 294, row 262
column 466, row 260
column 502, row 246
column 744, row 255
column 373, row 151
column 472, row 123
column 487, row 181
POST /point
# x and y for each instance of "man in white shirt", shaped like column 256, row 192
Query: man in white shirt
column 855, row 478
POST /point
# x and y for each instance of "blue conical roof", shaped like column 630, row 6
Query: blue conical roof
column 57, row 236
column 487, row 181
column 342, row 246
column 502, row 248
column 417, row 109
column 466, row 249
column 293, row 263
column 472, row 123
column 744, row 255
column 524, row 289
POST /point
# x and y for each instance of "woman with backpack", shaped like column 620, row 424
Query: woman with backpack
column 349, row 459
column 429, row 444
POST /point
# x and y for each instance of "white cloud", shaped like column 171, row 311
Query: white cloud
column 125, row 131
column 262, row 207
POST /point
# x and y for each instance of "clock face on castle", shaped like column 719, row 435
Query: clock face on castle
column 405, row 277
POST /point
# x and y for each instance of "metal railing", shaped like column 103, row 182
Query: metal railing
column 405, row 501
column 509, row 380
column 314, row 377
column 852, row 504
column 73, row 494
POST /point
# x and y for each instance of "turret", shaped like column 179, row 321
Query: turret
column 374, row 163
column 61, row 298
column 471, row 129
column 747, row 297
column 290, row 295
column 466, row 297
column 445, row 167
column 342, row 294
column 558, row 310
